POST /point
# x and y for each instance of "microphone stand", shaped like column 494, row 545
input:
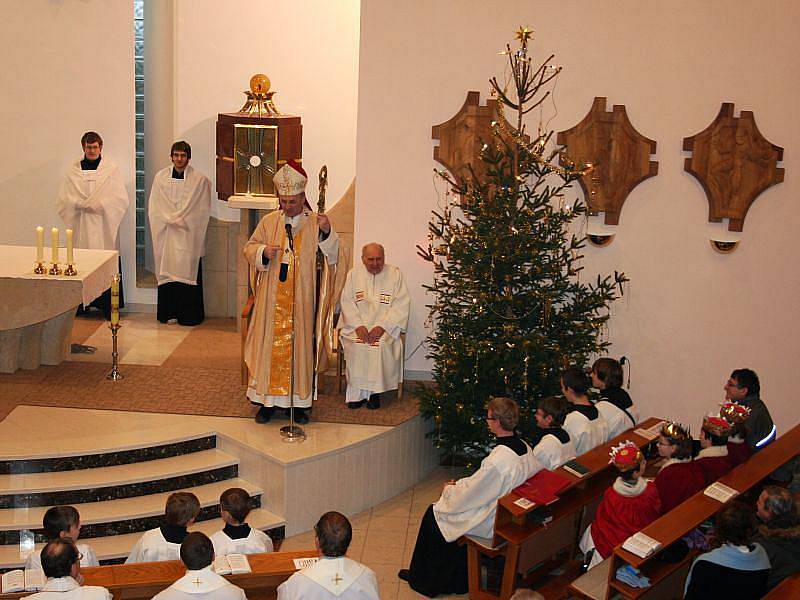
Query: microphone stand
column 292, row 432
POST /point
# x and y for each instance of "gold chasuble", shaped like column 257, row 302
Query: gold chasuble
column 268, row 351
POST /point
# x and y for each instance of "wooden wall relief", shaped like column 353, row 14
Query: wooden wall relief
column 620, row 156
column 463, row 135
column 734, row 163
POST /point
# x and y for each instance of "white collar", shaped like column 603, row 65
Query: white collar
column 200, row 582
column 334, row 574
column 673, row 461
column 60, row 584
column 713, row 452
column 628, row 490
column 735, row 439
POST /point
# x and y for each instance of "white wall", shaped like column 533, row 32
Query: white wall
column 308, row 49
column 691, row 315
column 67, row 68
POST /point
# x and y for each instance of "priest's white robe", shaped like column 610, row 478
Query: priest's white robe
column 552, row 453
column 153, row 547
column 339, row 578
column 66, row 588
column 255, row 543
column 617, row 419
column 92, row 204
column 586, row 433
column 89, row 557
column 372, row 300
column 469, row 506
column 202, row 584
column 267, row 352
column 179, row 210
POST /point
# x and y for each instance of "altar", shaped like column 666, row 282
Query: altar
column 37, row 311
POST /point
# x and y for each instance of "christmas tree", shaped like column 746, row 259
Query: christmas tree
column 509, row 308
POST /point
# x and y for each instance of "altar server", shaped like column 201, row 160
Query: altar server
column 468, row 506
column 92, row 201
column 334, row 576
column 586, row 426
column 200, row 581
column 61, row 564
column 375, row 306
column 615, row 404
column 554, row 446
column 164, row 543
column 63, row 522
column 179, row 208
column 237, row 537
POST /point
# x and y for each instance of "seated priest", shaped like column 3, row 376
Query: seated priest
column 62, row 567
column 713, row 456
column 334, row 576
column 586, row 426
column 179, row 209
column 615, row 404
column 200, row 581
column 375, row 306
column 92, row 201
column 554, row 446
column 468, row 506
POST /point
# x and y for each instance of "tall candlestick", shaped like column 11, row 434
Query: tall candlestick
column 115, row 300
column 70, row 257
column 54, row 244
column 39, row 244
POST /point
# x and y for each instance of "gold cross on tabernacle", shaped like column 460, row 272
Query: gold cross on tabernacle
column 197, row 582
column 337, row 579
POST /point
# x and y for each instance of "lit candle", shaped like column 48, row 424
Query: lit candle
column 40, row 244
column 54, row 244
column 70, row 258
column 115, row 300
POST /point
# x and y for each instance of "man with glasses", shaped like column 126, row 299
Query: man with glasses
column 744, row 387
column 61, row 564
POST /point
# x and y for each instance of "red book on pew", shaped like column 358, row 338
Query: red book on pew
column 543, row 487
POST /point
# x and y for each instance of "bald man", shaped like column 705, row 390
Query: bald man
column 375, row 306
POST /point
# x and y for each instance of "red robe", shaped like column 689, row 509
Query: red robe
column 677, row 482
column 738, row 452
column 714, row 467
column 618, row 517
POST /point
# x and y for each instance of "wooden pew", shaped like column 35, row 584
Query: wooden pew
column 526, row 543
column 145, row 580
column 788, row 588
column 667, row 579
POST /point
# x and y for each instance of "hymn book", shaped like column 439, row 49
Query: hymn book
column 641, row 545
column 232, row 564
column 575, row 468
column 29, row 580
column 720, row 492
column 650, row 433
column 302, row 563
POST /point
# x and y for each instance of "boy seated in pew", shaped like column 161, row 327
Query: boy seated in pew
column 586, row 426
column 615, row 404
column 679, row 478
column 713, row 456
column 628, row 506
column 164, row 543
column 737, row 414
column 63, row 522
column 237, row 537
column 554, row 446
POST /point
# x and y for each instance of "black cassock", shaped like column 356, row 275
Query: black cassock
column 181, row 301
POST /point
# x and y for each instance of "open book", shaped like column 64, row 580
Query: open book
column 302, row 563
column 29, row 580
column 641, row 545
column 720, row 492
column 231, row 564
column 650, row 433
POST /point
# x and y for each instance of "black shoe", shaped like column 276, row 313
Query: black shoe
column 264, row 414
column 404, row 574
column 374, row 402
column 300, row 416
column 355, row 405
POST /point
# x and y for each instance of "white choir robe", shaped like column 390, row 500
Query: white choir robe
column 255, row 543
column 552, row 453
column 618, row 421
column 178, row 210
column 201, row 585
column 372, row 300
column 89, row 557
column 339, row 578
column 469, row 506
column 152, row 547
column 92, row 204
column 66, row 588
column 586, row 433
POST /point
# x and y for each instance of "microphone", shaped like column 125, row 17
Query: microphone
column 290, row 236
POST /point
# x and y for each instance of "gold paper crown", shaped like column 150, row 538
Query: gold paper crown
column 716, row 425
column 626, row 456
column 734, row 413
column 675, row 431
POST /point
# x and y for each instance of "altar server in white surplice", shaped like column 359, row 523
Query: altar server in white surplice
column 200, row 581
column 334, row 576
column 164, row 543
column 61, row 564
column 237, row 537
column 554, row 446
column 375, row 306
column 179, row 208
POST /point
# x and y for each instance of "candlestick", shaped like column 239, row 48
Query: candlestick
column 40, row 244
column 115, row 300
column 54, row 244
column 70, row 257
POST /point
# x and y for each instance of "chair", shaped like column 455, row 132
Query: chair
column 341, row 372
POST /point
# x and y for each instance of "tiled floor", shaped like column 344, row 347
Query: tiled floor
column 384, row 537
